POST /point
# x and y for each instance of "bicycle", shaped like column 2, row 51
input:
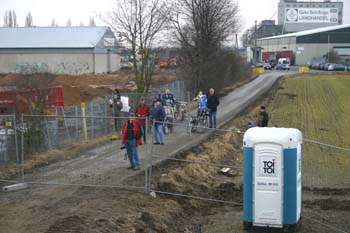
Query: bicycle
column 198, row 123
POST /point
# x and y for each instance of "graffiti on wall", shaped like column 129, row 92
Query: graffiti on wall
column 60, row 68
column 35, row 68
column 72, row 68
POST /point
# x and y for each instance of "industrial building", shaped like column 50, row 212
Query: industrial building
column 298, row 16
column 58, row 50
column 302, row 47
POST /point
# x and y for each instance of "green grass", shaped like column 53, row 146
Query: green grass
column 318, row 105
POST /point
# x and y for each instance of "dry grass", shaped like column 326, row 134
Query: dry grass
column 318, row 105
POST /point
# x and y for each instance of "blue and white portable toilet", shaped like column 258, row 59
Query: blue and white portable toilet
column 272, row 182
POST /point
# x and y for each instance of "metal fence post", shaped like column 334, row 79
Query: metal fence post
column 92, row 119
column 17, row 152
column 76, row 123
column 22, row 149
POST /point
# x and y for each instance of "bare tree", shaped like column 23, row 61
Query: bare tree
column 54, row 23
column 29, row 20
column 10, row 19
column 81, row 24
column 202, row 27
column 92, row 22
column 69, row 22
column 137, row 23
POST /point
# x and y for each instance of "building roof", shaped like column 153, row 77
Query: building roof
column 309, row 32
column 51, row 37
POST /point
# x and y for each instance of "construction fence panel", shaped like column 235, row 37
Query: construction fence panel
column 9, row 154
column 82, row 150
column 325, row 166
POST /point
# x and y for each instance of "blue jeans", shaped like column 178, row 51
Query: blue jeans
column 131, row 149
column 212, row 119
column 158, row 133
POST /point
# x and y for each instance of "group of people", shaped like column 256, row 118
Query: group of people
column 208, row 104
column 134, row 128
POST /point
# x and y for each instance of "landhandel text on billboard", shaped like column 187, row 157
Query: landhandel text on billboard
column 311, row 15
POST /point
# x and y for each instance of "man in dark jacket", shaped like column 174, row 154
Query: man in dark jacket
column 158, row 116
column 213, row 103
column 263, row 118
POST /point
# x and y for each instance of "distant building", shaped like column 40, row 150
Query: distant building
column 302, row 47
column 268, row 28
column 298, row 16
column 58, row 50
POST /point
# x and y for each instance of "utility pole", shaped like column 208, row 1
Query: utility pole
column 236, row 42
column 255, row 47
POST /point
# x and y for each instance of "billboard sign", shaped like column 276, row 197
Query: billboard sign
column 311, row 15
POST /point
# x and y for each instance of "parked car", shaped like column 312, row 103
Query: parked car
column 325, row 66
column 337, row 67
column 267, row 66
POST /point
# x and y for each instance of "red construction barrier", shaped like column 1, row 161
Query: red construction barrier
column 54, row 96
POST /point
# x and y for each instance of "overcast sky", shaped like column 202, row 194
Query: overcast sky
column 43, row 11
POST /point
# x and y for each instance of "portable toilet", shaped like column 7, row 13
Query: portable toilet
column 272, row 182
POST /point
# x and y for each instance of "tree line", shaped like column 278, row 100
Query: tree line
column 201, row 29
column 10, row 20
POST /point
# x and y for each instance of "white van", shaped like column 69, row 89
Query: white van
column 283, row 64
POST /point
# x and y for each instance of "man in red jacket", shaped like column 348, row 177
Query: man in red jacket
column 142, row 111
column 131, row 138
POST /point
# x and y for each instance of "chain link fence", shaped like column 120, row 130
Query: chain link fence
column 80, row 150
column 325, row 166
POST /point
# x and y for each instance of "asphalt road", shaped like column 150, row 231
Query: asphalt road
column 106, row 165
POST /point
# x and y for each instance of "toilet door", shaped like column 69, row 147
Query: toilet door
column 268, row 183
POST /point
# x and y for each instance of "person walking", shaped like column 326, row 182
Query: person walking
column 158, row 116
column 263, row 118
column 142, row 111
column 131, row 138
column 213, row 103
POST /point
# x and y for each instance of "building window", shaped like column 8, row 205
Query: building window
column 327, row 5
column 295, row 5
column 288, row 5
column 333, row 5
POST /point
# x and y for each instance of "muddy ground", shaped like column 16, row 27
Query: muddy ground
column 85, row 87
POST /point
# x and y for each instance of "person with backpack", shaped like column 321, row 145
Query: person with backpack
column 131, row 139
column 213, row 103
column 263, row 118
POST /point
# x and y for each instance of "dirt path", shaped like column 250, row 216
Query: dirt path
column 36, row 208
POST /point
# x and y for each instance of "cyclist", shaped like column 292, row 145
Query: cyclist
column 203, row 107
column 198, row 99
